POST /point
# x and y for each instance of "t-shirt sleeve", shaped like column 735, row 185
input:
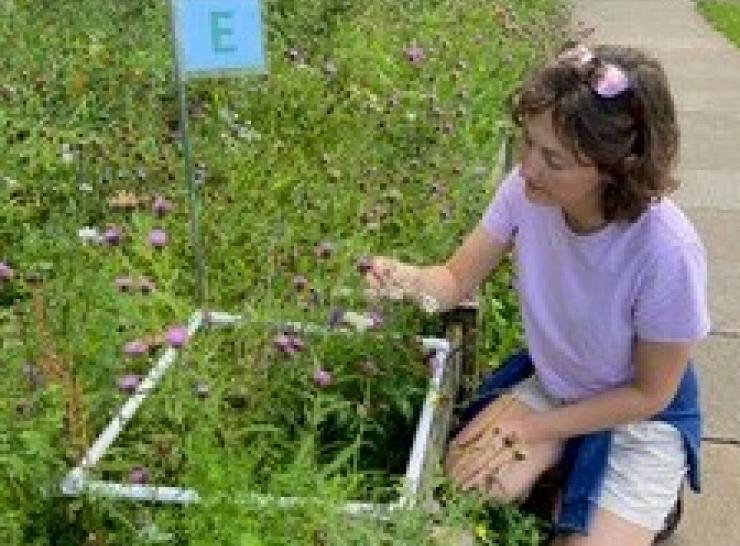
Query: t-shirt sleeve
column 500, row 218
column 671, row 304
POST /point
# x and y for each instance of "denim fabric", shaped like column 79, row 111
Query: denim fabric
column 585, row 457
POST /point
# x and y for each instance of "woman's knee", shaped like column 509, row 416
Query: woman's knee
column 608, row 529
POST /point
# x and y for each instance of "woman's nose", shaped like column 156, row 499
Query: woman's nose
column 530, row 167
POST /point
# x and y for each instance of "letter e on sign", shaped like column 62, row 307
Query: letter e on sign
column 215, row 37
column 221, row 26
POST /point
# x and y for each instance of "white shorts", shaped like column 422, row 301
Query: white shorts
column 647, row 463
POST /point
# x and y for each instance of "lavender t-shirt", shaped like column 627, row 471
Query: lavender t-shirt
column 586, row 298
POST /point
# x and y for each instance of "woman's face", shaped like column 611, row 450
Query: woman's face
column 553, row 175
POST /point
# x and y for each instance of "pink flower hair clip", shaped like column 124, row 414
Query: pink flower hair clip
column 611, row 82
column 607, row 81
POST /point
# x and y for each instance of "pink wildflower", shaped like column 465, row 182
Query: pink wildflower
column 128, row 382
column 138, row 475
column 288, row 344
column 136, row 348
column 6, row 272
column 336, row 317
column 161, row 206
column 158, row 238
column 415, row 54
column 322, row 378
column 376, row 318
column 112, row 236
column 176, row 336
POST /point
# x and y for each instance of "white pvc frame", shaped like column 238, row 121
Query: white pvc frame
column 421, row 460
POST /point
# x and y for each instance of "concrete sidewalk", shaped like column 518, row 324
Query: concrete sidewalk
column 704, row 70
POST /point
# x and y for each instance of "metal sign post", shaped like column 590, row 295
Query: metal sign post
column 211, row 38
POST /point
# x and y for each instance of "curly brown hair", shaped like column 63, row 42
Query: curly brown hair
column 631, row 138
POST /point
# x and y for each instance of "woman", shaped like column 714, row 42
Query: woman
column 611, row 278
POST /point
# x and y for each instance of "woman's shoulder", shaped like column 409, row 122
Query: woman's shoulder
column 664, row 231
column 665, row 225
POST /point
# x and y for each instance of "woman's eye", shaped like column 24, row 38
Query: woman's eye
column 554, row 164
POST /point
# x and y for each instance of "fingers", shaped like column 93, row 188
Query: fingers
column 480, row 466
column 378, row 273
column 471, row 432
column 385, row 278
column 483, row 447
column 486, row 419
column 475, row 465
column 375, row 278
column 470, row 461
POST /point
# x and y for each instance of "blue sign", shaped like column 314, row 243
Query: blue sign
column 219, row 36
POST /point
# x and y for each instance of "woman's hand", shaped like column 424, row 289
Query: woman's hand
column 493, row 440
column 389, row 278
column 477, row 462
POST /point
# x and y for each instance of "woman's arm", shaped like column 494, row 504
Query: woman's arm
column 446, row 284
column 659, row 368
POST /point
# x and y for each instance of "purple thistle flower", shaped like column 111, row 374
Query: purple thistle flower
column 128, row 382
column 112, row 235
column 161, row 206
column 124, row 284
column 336, row 316
column 376, row 318
column 158, row 238
column 283, row 343
column 136, row 348
column 415, row 54
column 138, row 475
column 6, row 272
column 321, row 377
column 176, row 336
column 297, row 343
